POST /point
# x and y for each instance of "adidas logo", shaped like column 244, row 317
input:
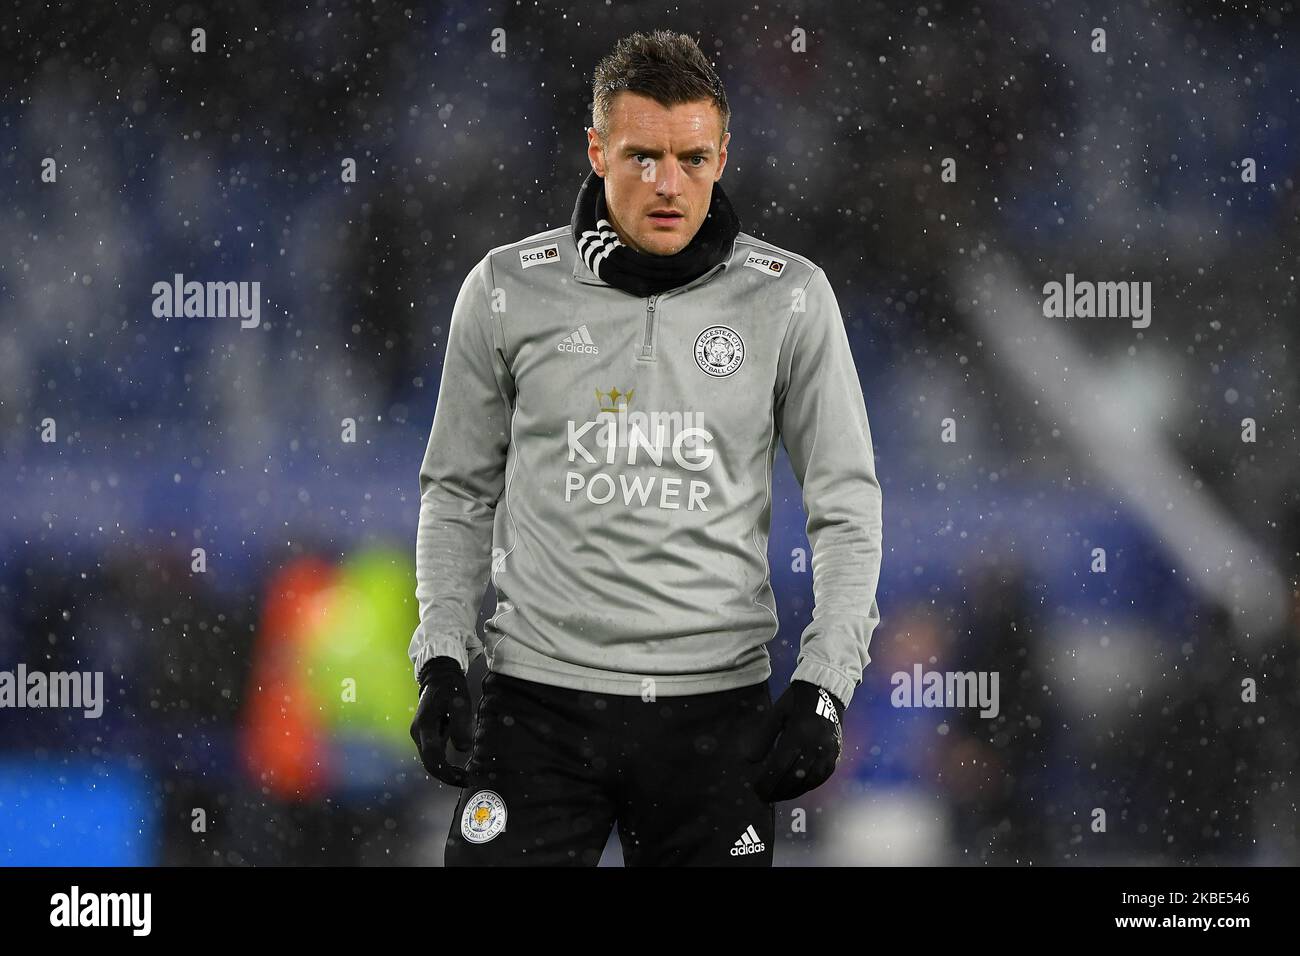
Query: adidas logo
column 579, row 340
column 826, row 707
column 748, row 843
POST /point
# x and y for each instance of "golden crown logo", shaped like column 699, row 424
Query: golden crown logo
column 614, row 398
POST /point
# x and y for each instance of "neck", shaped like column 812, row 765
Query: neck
column 614, row 258
column 622, row 233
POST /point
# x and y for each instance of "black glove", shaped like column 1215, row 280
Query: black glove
column 807, row 718
column 444, row 704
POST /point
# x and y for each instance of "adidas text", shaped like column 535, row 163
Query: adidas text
column 748, row 843
column 579, row 341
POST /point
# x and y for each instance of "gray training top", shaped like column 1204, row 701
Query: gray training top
column 608, row 460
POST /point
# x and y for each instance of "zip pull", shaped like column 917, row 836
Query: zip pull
column 647, row 347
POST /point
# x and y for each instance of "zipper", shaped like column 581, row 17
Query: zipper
column 648, row 347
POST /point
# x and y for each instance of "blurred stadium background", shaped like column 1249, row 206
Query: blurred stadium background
column 1120, row 690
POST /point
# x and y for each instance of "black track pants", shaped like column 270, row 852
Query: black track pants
column 553, row 769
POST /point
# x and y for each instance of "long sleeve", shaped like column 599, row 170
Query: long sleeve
column 462, row 477
column 822, row 418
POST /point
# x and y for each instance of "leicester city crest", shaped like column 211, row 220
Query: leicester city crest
column 719, row 350
column 484, row 817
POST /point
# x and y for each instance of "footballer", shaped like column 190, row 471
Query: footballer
column 612, row 395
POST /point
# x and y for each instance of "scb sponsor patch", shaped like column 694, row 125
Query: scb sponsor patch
column 768, row 265
column 484, row 817
column 539, row 254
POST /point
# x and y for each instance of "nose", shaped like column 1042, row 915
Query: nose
column 668, row 180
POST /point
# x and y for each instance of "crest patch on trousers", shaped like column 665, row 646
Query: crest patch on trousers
column 484, row 817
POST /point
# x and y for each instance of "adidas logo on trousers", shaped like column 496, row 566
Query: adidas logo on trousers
column 748, row 843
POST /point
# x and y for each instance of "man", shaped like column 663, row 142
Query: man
column 611, row 398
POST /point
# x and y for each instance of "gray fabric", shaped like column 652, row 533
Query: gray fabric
column 664, row 588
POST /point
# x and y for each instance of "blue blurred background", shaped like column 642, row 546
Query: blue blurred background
column 221, row 742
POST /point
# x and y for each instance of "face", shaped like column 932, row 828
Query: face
column 659, row 164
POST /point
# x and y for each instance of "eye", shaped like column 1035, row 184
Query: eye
column 701, row 159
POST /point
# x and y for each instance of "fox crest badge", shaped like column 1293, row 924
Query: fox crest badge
column 719, row 350
column 484, row 817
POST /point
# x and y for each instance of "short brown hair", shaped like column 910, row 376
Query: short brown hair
column 665, row 66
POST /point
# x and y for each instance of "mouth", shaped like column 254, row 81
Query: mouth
column 666, row 217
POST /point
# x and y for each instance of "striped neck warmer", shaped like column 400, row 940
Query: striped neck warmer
column 617, row 264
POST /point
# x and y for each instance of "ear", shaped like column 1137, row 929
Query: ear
column 595, row 152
